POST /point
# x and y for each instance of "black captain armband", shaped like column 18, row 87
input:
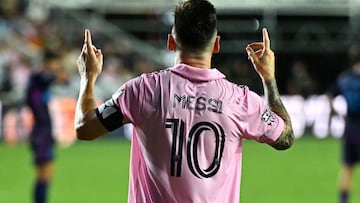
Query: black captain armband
column 110, row 115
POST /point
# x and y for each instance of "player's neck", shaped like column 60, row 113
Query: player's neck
column 194, row 60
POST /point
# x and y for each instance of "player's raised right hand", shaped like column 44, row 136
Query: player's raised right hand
column 90, row 61
column 262, row 57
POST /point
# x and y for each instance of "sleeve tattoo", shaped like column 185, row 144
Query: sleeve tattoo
column 272, row 96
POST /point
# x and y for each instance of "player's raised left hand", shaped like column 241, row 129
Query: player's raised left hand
column 90, row 61
column 262, row 57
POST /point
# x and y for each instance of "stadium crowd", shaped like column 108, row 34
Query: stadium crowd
column 27, row 32
column 24, row 40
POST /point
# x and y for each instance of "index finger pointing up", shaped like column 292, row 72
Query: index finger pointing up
column 266, row 39
column 88, row 40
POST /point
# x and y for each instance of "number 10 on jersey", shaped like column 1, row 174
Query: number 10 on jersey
column 178, row 133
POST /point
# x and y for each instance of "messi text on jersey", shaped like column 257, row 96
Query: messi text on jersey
column 197, row 103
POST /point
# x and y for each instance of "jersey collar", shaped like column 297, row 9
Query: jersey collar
column 197, row 74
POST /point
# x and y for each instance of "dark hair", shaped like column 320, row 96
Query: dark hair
column 50, row 55
column 195, row 23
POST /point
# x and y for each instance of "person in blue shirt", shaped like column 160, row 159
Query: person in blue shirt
column 41, row 139
column 348, row 85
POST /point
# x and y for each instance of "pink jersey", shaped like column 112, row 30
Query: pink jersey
column 189, row 125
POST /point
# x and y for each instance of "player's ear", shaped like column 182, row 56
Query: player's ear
column 171, row 46
column 216, row 45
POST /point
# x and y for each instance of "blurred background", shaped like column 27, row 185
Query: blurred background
column 311, row 39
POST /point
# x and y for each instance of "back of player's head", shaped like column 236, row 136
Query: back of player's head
column 195, row 24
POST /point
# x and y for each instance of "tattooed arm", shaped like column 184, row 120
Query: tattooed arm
column 263, row 60
column 273, row 99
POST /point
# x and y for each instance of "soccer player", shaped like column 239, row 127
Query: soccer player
column 189, row 120
column 348, row 85
column 41, row 139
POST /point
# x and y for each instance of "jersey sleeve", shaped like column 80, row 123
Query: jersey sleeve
column 110, row 115
column 124, row 106
column 131, row 98
column 135, row 101
column 261, row 124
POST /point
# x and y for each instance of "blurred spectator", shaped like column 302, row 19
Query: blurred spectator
column 16, row 72
column 38, row 10
column 11, row 8
column 348, row 85
column 246, row 75
column 41, row 137
column 240, row 72
column 300, row 81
